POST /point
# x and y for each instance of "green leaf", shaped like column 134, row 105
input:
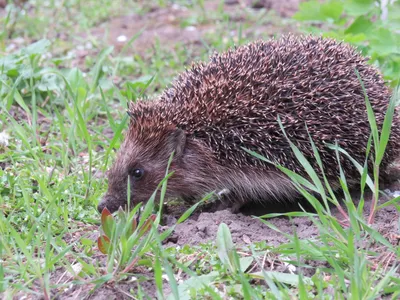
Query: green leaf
column 190, row 210
column 287, row 278
column 3, row 284
column 147, row 225
column 121, row 215
column 384, row 42
column 225, row 247
column 39, row 47
column 359, row 7
column 370, row 113
column 317, row 11
column 18, row 98
column 376, row 236
column 359, row 167
column 103, row 279
column 360, row 25
column 141, row 82
column 194, row 283
column 332, row 10
column 50, row 82
column 12, row 73
column 86, row 242
column 97, row 70
column 131, row 229
column 10, row 62
column 76, row 79
column 134, row 224
column 355, row 38
column 117, row 135
column 386, row 128
column 245, row 262
column 158, row 275
column 107, row 222
column 103, row 242
column 308, row 11
column 303, row 161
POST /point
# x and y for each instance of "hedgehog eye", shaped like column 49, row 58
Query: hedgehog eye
column 137, row 173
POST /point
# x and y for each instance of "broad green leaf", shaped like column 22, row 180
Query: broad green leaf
column 355, row 38
column 194, row 283
column 359, row 7
column 332, row 10
column 245, row 263
column 107, row 222
column 308, row 11
column 384, row 42
column 225, row 247
column 103, row 242
column 9, row 63
column 76, row 79
column 50, row 82
column 319, row 11
column 39, row 47
column 86, row 242
column 360, row 25
column 142, row 82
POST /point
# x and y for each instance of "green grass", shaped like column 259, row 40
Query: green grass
column 52, row 167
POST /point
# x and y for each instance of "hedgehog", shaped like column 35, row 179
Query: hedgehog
column 214, row 111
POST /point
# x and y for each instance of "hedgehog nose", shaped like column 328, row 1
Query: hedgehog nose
column 104, row 203
column 101, row 206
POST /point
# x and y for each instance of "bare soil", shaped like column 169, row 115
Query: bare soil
column 247, row 229
column 164, row 25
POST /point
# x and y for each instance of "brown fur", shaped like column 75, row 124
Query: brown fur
column 215, row 109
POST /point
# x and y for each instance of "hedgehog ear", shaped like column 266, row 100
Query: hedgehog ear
column 177, row 142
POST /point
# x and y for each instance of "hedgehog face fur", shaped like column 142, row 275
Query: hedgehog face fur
column 143, row 160
column 215, row 110
column 142, row 168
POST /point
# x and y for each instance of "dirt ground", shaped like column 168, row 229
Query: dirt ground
column 247, row 229
column 163, row 24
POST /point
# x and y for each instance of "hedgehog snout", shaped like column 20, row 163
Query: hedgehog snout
column 108, row 202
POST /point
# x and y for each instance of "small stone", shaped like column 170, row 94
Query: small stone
column 4, row 138
column 396, row 194
column 201, row 227
column 201, row 234
column 246, row 239
column 190, row 28
column 122, row 38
